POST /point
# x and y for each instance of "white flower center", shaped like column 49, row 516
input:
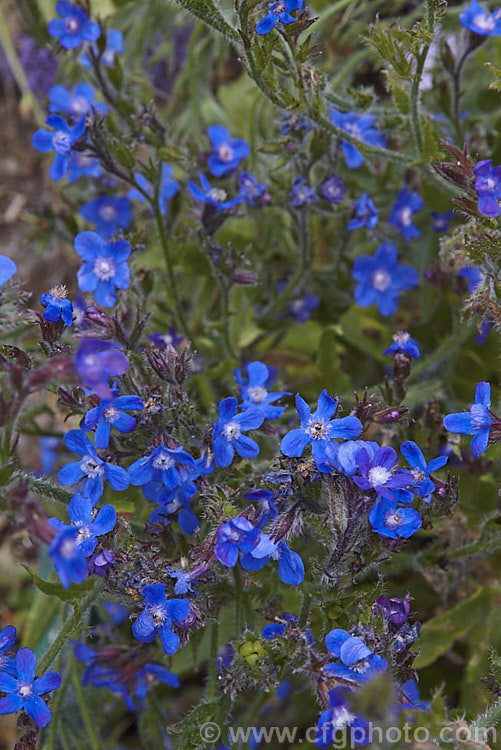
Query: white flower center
column 72, row 25
column 163, row 461
column 225, row 152
column 108, row 57
column 25, row 691
column 231, row 431
column 104, row 269
column 393, row 519
column 490, row 183
column 108, row 212
column 381, row 280
column 257, row 394
column 317, row 430
column 405, row 216
column 401, row 337
column 217, row 194
column 111, row 413
column 79, row 105
column 418, row 475
column 59, row 292
column 484, row 22
column 61, row 142
column 159, row 614
column 90, row 360
column 341, row 718
column 68, row 548
column 83, row 534
column 84, row 160
column 91, row 467
column 279, row 9
column 354, row 129
column 361, row 666
column 379, row 475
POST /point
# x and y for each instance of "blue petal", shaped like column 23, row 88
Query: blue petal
column 26, row 662
column 11, row 704
column 460, row 423
column 335, row 639
column 117, row 477
column 290, row 566
column 353, row 650
column 170, row 640
column 483, row 394
column 294, row 443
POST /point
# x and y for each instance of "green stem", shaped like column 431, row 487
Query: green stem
column 214, row 634
column 238, row 601
column 88, row 721
column 56, row 705
column 305, row 610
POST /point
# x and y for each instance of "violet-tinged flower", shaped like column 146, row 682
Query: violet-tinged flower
column 164, row 340
column 267, row 510
column 474, row 276
column 57, row 306
column 396, row 611
column 68, row 558
column 301, row 308
column 381, row 279
column 96, row 361
column 477, row 19
column 441, row 222
column 76, row 103
column 339, row 717
column 61, row 141
column 295, row 122
column 476, row 422
column 24, row 690
column 254, row 390
column 116, row 612
column 90, row 466
column 49, row 452
column 108, row 213
column 343, row 456
column 407, row 204
column 167, row 189
column 100, row 564
column 88, row 525
column 38, row 62
column 114, row 46
column 112, row 413
column 362, row 128
column 366, row 214
column 158, row 616
column 290, row 565
column 227, row 434
column 390, row 521
column 162, row 465
column 280, row 12
column 318, row 429
column 234, row 537
column 7, row 269
column 488, row 187
column 279, row 629
column 301, row 193
column 253, row 192
column 82, row 164
column 105, row 267
column 403, row 344
column 358, row 663
column 227, row 152
column 332, row 189
column 73, row 27
column 410, row 697
column 420, row 469
column 215, row 197
column 7, row 640
column 184, row 581
column 378, row 473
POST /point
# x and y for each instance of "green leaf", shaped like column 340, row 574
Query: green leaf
column 77, row 591
column 169, row 153
column 123, row 155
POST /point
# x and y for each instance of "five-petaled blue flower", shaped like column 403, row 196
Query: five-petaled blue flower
column 162, row 465
column 88, row 527
column 476, row 422
column 234, row 536
column 358, row 663
column 112, row 413
column 301, row 308
column 381, row 279
column 227, row 435
column 340, row 717
column 227, row 152
column 61, row 141
column 108, row 213
column 301, row 192
column 158, row 616
column 290, row 565
column 76, row 103
column 215, row 197
column 420, row 469
column 366, row 214
column 477, row 19
column 441, row 222
column 114, row 46
column 360, row 127
column 406, row 205
column 68, row 557
column 7, row 640
column 164, row 340
column 57, row 305
column 82, row 164
column 24, row 690
column 280, row 12
column 73, row 27
column 403, row 343
column 167, row 189
column 251, row 190
column 7, row 269
column 332, row 189
column 318, row 429
column 343, row 456
column 378, row 472
column 390, row 521
column 105, row 267
column 255, row 394
column 91, row 466
column 96, row 361
column 488, row 187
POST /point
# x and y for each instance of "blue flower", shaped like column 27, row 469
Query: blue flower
column 227, row 435
column 358, row 663
column 90, row 466
column 215, row 197
column 82, row 164
column 227, row 153
column 476, row 422
column 157, row 671
column 160, row 466
column 237, row 535
column 403, row 344
column 268, row 509
column 343, row 456
column 114, row 46
column 474, row 275
column 7, row 640
column 167, row 189
column 338, row 718
column 183, row 582
column 252, row 191
column 290, row 565
column 73, row 27
column 158, row 616
column 112, row 413
column 381, row 279
column 75, row 104
column 96, row 361
column 57, row 306
column 477, row 19
column 280, row 12
column 420, row 469
column 293, row 121
column 105, row 267
column 301, row 308
column 318, row 429
column 115, row 611
column 366, row 214
column 407, row 204
column 88, row 528
column 68, row 557
column 108, row 213
column 378, row 473
column 361, row 127
column 441, row 222
column 61, row 141
column 279, row 629
column 24, row 691
column 164, row 340
column 255, row 394
column 301, row 193
column 390, row 521
column 7, row 269
column 488, row 187
column 332, row 189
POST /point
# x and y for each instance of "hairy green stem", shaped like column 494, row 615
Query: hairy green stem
column 89, row 723
column 238, row 601
column 214, row 636
column 56, row 705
